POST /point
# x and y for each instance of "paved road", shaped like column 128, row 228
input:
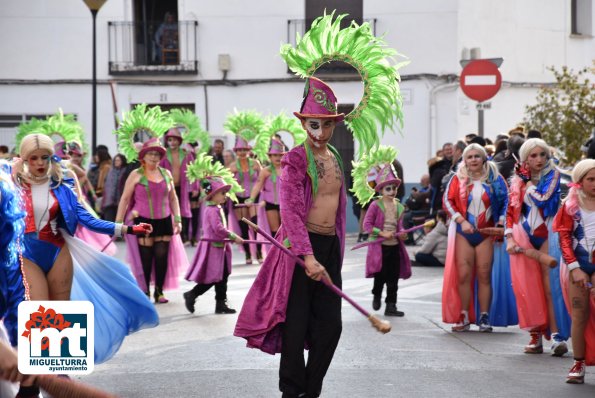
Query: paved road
column 197, row 356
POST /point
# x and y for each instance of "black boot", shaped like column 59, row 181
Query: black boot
column 189, row 300
column 365, row 237
column 391, row 310
column 222, row 308
column 376, row 303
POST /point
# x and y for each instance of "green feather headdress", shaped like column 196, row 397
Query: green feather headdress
column 381, row 104
column 374, row 159
column 275, row 125
column 153, row 121
column 64, row 126
column 203, row 166
column 247, row 124
column 193, row 130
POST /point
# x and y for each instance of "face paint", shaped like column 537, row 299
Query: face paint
column 314, row 128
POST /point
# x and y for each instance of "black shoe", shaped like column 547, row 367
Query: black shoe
column 359, row 238
column 189, row 300
column 365, row 237
column 222, row 308
column 391, row 310
column 192, row 242
column 376, row 303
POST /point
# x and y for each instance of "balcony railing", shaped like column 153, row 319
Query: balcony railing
column 295, row 26
column 150, row 48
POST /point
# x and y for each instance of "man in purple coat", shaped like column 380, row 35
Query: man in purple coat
column 287, row 307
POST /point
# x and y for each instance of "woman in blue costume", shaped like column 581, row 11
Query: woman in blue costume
column 57, row 266
column 476, row 275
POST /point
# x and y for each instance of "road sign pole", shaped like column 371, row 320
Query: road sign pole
column 480, row 121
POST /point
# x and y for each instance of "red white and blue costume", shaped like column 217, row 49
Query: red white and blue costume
column 529, row 218
column 482, row 204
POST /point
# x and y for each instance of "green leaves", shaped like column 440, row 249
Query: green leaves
column 565, row 112
column 274, row 125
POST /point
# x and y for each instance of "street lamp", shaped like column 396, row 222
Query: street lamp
column 94, row 6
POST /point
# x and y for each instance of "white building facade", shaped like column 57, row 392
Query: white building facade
column 46, row 60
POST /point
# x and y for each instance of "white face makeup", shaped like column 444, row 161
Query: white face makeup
column 314, row 127
column 389, row 190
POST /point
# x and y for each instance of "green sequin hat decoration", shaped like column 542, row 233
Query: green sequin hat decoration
column 381, row 106
column 274, row 125
column 192, row 130
column 151, row 121
column 203, row 168
column 246, row 125
column 373, row 161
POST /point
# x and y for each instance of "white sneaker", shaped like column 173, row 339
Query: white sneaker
column 559, row 346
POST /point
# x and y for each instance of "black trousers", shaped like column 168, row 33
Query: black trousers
column 185, row 220
column 220, row 287
column 391, row 264
column 313, row 316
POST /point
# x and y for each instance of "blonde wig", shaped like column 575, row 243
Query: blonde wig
column 490, row 170
column 576, row 196
column 29, row 144
column 533, row 143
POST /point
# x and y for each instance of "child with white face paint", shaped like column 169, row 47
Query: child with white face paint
column 385, row 262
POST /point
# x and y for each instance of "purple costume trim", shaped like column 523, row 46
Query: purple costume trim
column 263, row 313
column 270, row 191
column 375, row 219
column 185, row 186
column 209, row 260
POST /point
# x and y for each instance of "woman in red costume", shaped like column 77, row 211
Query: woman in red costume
column 575, row 223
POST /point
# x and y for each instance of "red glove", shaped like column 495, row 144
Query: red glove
column 139, row 229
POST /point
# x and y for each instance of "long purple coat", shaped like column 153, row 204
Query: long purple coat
column 208, row 263
column 185, row 186
column 262, row 316
column 375, row 219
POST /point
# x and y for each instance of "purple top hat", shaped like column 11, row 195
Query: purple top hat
column 276, row 148
column 212, row 185
column 386, row 176
column 175, row 133
column 241, row 143
column 152, row 144
column 319, row 102
column 74, row 148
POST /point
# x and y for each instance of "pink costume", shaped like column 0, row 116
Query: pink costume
column 151, row 200
column 262, row 316
column 185, row 187
column 374, row 223
column 211, row 257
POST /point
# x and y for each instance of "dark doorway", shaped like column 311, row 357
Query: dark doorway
column 342, row 140
column 155, row 30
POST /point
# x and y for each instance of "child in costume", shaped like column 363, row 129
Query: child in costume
column 475, row 198
column 246, row 126
column 149, row 196
column 211, row 265
column 188, row 124
column 387, row 261
column 534, row 201
column 52, row 256
column 269, row 148
column 575, row 223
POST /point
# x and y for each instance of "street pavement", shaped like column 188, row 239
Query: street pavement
column 195, row 355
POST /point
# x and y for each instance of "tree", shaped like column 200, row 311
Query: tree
column 565, row 111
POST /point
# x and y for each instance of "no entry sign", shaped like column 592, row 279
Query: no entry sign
column 480, row 80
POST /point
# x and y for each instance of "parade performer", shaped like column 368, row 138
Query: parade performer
column 575, row 223
column 149, row 196
column 534, row 201
column 475, row 198
column 70, row 135
column 285, row 308
column 211, row 265
column 387, row 261
column 52, row 256
column 246, row 126
column 192, row 133
column 269, row 149
column 176, row 161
